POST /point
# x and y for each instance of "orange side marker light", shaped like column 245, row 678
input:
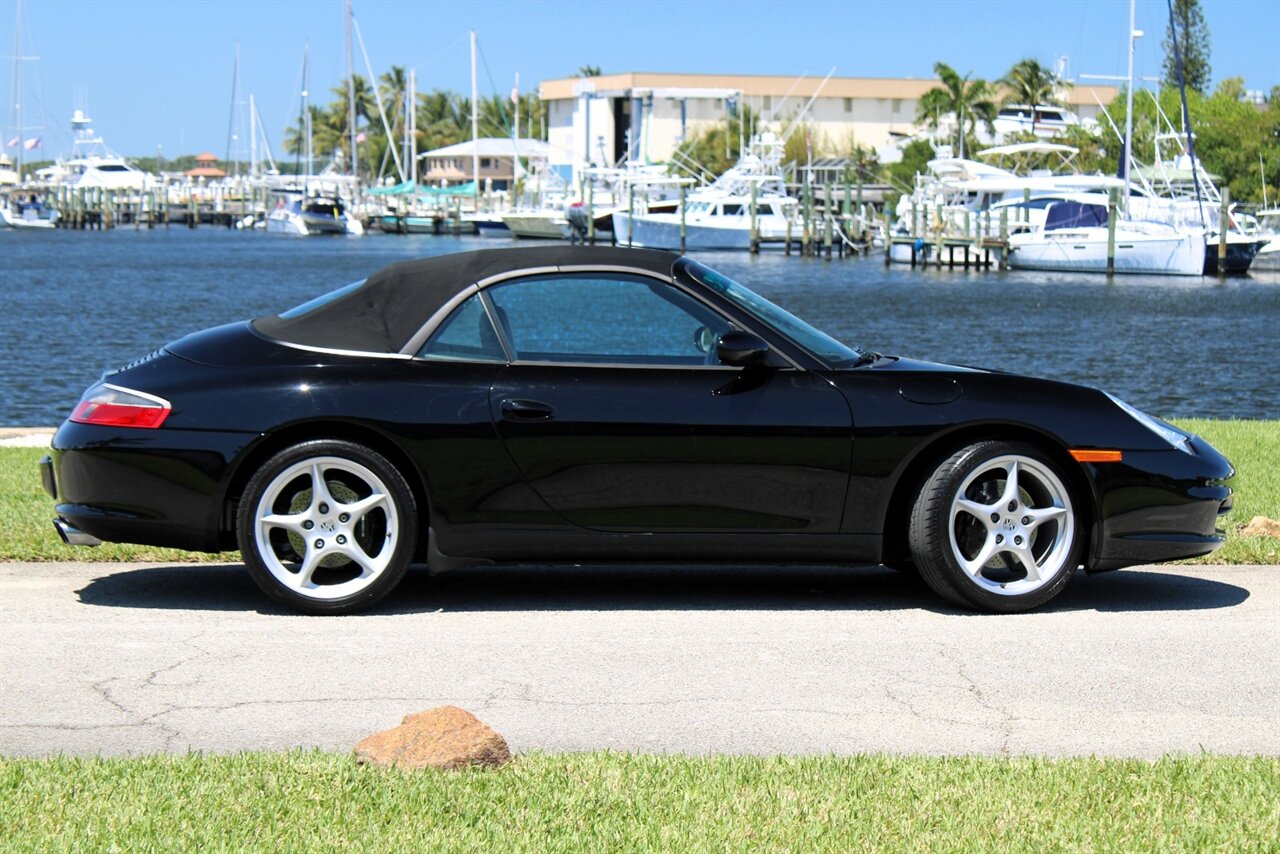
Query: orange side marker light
column 1096, row 456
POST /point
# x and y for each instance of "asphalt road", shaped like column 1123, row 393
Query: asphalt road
column 128, row 658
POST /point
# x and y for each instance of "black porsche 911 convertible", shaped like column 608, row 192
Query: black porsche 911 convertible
column 568, row 404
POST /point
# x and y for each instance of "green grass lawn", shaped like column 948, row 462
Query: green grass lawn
column 1254, row 446
column 618, row 802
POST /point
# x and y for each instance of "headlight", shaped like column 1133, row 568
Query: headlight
column 1168, row 432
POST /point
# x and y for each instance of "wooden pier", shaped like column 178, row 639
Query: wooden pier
column 100, row 209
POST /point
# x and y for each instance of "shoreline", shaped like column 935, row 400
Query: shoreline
column 26, row 437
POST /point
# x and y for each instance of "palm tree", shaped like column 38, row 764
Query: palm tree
column 1028, row 82
column 588, row 71
column 968, row 100
column 392, row 86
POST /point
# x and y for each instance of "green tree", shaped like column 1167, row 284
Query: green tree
column 1193, row 43
column 587, row 71
column 1028, row 82
column 1231, row 136
column 915, row 159
column 968, row 100
column 714, row 149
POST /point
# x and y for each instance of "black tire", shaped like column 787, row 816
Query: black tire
column 314, row 556
column 980, row 559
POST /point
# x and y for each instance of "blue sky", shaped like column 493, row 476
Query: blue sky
column 158, row 72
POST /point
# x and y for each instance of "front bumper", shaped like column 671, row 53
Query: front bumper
column 1160, row 505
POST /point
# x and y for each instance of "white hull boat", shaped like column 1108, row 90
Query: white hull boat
column 1152, row 248
column 28, row 215
column 314, row 216
column 536, row 225
column 662, row 231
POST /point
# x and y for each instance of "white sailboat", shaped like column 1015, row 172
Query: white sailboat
column 1074, row 237
column 307, row 204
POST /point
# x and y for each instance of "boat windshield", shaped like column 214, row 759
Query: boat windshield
column 816, row 342
column 312, row 304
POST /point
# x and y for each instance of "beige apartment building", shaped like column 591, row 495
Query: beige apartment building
column 644, row 116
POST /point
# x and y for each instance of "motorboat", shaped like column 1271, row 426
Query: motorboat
column 305, row 215
column 28, row 212
column 545, row 224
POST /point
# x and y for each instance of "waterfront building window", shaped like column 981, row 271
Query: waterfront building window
column 848, row 105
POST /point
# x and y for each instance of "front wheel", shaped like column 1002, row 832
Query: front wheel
column 327, row 527
column 995, row 528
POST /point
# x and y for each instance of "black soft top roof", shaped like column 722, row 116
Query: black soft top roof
column 384, row 313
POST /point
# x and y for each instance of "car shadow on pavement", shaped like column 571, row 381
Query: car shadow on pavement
column 227, row 587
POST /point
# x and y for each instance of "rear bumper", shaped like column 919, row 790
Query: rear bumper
column 1161, row 505
column 151, row 487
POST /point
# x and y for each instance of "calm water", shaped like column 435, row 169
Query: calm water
column 80, row 303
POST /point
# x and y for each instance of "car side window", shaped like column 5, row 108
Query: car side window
column 605, row 319
column 465, row 336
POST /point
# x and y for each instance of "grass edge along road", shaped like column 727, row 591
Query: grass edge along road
column 607, row 801
column 1253, row 446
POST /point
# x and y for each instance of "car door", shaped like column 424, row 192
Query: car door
column 621, row 418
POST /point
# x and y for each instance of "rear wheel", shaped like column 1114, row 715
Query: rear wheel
column 995, row 528
column 327, row 527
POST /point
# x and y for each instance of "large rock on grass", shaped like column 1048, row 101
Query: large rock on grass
column 443, row 737
column 1261, row 526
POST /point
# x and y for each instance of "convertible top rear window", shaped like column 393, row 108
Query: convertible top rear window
column 320, row 301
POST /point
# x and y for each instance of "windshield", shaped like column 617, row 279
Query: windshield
column 313, row 304
column 816, row 342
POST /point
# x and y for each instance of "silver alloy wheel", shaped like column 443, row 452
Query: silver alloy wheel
column 1011, row 525
column 326, row 527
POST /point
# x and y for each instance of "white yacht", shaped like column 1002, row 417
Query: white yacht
column 718, row 216
column 1074, row 237
column 92, row 164
column 961, row 198
column 1043, row 120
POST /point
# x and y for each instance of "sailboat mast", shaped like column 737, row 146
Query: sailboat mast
column 411, row 106
column 351, row 96
column 17, row 89
column 253, row 137
column 475, row 120
column 1128, row 112
column 232, row 146
column 306, row 116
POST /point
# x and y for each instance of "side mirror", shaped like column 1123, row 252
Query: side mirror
column 742, row 349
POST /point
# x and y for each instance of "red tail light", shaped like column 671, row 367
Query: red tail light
column 112, row 406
